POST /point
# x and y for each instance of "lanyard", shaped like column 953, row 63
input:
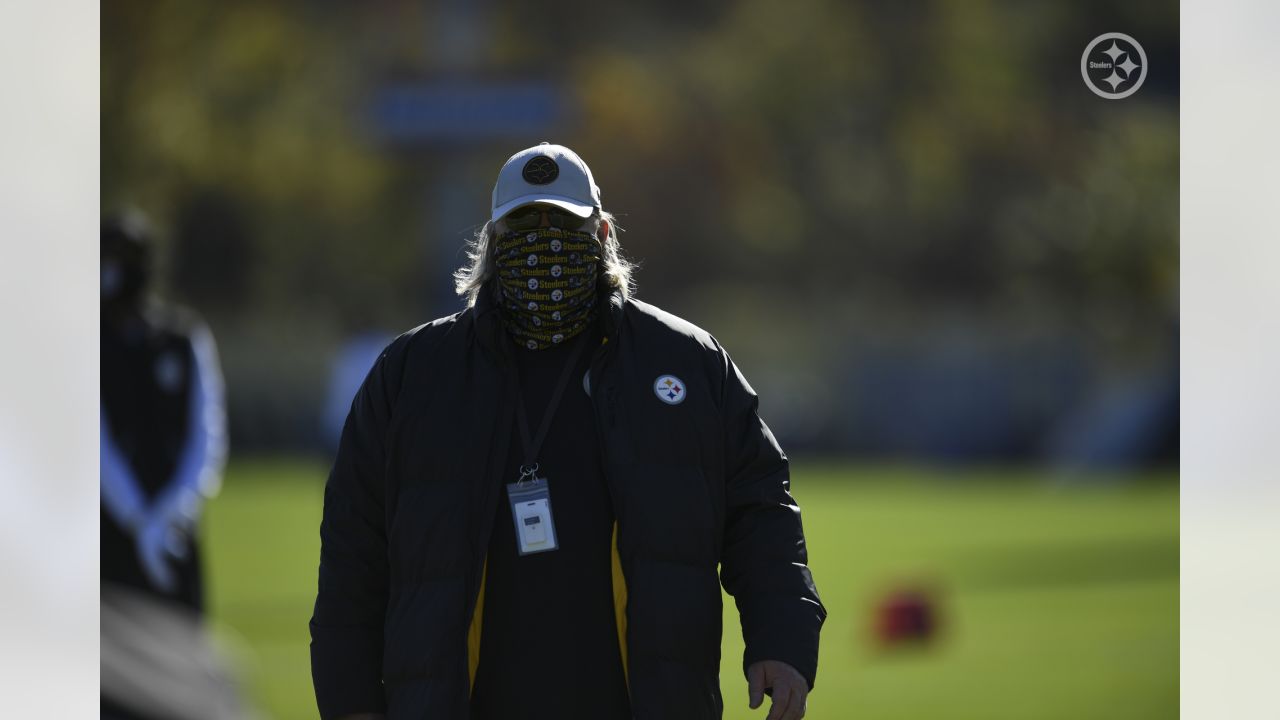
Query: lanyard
column 532, row 445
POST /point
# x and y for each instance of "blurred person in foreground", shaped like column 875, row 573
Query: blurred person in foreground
column 162, row 431
column 532, row 497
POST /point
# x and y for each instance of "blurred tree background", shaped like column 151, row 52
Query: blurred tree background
column 916, row 229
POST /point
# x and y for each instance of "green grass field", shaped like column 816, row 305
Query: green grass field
column 1059, row 600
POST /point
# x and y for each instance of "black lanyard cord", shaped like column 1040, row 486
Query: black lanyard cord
column 532, row 445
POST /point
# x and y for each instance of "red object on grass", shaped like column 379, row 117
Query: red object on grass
column 906, row 616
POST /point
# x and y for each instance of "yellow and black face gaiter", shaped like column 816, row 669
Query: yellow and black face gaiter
column 548, row 281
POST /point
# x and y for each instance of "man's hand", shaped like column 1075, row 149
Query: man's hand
column 161, row 533
column 158, row 541
column 790, row 691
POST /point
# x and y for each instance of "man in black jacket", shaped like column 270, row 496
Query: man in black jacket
column 532, row 497
column 163, row 444
column 163, row 424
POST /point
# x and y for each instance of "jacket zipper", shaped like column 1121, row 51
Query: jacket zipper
column 605, row 408
column 489, row 498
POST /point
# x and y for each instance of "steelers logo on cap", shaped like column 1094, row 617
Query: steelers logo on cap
column 540, row 170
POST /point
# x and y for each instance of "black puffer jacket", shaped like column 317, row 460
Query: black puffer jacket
column 696, row 486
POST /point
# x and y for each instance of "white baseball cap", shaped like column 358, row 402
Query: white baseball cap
column 546, row 173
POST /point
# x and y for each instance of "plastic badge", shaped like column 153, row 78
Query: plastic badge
column 531, row 511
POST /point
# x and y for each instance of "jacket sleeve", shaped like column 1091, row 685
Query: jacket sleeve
column 764, row 560
column 347, row 625
column 198, row 475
